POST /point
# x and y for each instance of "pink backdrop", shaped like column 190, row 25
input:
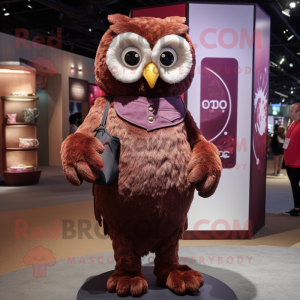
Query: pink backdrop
column 94, row 93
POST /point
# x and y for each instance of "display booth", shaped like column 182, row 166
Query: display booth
column 228, row 100
column 19, row 124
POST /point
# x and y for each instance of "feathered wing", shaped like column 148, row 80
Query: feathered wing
column 80, row 151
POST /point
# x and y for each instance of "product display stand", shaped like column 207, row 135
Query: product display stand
column 11, row 132
column 95, row 288
column 228, row 100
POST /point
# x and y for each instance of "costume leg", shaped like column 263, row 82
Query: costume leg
column 294, row 177
column 178, row 278
column 280, row 163
column 276, row 164
column 128, row 277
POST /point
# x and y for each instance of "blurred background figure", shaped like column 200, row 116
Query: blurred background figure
column 72, row 121
column 269, row 142
column 292, row 158
column 78, row 119
column 277, row 149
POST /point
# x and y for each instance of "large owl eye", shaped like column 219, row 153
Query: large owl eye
column 168, row 57
column 127, row 55
column 131, row 56
column 173, row 58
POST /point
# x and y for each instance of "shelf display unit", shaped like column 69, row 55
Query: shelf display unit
column 12, row 154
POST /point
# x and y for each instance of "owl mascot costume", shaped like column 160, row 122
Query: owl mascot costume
column 145, row 63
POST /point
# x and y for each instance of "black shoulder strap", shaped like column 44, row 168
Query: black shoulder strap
column 103, row 122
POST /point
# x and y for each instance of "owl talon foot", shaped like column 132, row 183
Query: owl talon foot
column 123, row 284
column 180, row 279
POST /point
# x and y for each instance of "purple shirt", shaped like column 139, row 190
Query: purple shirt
column 150, row 113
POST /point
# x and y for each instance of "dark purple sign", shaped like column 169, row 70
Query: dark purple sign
column 218, row 105
column 259, row 114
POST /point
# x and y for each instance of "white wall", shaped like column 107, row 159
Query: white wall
column 231, row 200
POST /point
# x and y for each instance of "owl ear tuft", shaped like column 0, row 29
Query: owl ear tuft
column 116, row 18
column 176, row 19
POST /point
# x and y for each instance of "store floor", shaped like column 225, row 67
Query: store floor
column 55, row 203
column 54, row 189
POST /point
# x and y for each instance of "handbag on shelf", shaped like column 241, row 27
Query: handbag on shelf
column 110, row 171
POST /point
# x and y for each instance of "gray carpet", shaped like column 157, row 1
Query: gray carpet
column 53, row 189
column 273, row 273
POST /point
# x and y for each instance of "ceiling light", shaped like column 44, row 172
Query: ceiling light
column 291, row 65
column 292, row 92
column 4, row 9
column 6, row 14
column 282, row 100
column 282, row 60
column 292, row 4
column 30, row 4
column 286, row 12
column 290, row 37
column 90, row 29
column 11, row 71
column 280, row 94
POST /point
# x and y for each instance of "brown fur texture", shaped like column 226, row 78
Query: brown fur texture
column 145, row 210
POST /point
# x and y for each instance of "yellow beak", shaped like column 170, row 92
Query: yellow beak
column 151, row 74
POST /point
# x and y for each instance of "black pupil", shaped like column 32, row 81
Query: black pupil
column 167, row 58
column 132, row 58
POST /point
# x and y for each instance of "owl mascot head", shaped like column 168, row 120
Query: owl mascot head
column 148, row 57
column 146, row 64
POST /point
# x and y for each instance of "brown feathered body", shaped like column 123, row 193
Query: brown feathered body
column 152, row 195
column 146, row 208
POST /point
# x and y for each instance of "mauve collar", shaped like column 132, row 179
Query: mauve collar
column 150, row 113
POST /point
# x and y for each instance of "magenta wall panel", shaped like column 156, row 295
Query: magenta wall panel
column 228, row 100
column 260, row 118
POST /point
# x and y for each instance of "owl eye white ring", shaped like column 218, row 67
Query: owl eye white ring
column 121, row 44
column 131, row 57
column 167, row 57
column 178, row 70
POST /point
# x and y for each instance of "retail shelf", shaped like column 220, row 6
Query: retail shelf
column 12, row 74
column 22, row 149
column 19, row 98
column 18, row 123
column 15, row 65
column 29, row 171
column 21, row 178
